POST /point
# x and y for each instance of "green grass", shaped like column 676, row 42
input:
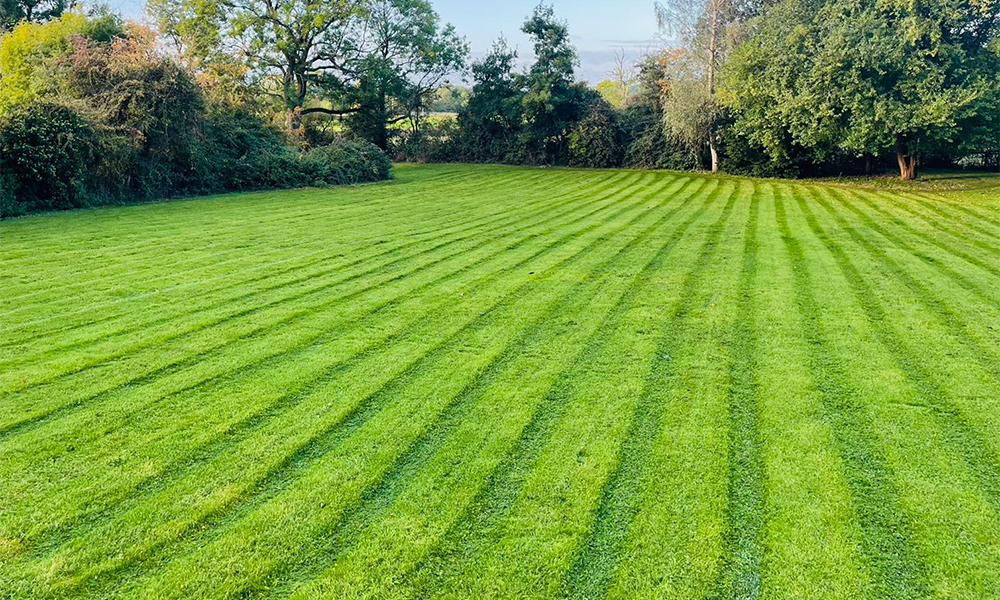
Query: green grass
column 492, row 382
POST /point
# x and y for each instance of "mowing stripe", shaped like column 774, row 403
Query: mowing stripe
column 497, row 496
column 936, row 204
column 260, row 217
column 196, row 245
column 740, row 578
column 371, row 347
column 375, row 501
column 550, row 246
column 307, row 463
column 965, row 282
column 988, row 360
column 105, row 337
column 255, row 333
column 961, row 232
column 461, row 220
column 989, row 217
column 591, row 570
column 256, row 308
column 887, row 539
column 216, row 208
column 963, row 437
column 387, row 224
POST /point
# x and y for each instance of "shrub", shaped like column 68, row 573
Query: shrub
column 46, row 152
column 597, row 141
column 348, row 162
column 149, row 97
column 436, row 141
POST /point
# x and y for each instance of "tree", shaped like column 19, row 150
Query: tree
column 404, row 54
column 618, row 88
column 13, row 12
column 449, row 99
column 550, row 103
column 491, row 120
column 708, row 30
column 297, row 44
column 869, row 78
column 29, row 53
column 598, row 140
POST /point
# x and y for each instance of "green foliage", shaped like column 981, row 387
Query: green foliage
column 612, row 93
column 46, row 153
column 29, row 66
column 140, row 128
column 406, row 55
column 490, row 123
column 437, row 140
column 349, row 162
column 598, row 140
column 449, row 99
column 13, row 12
column 868, row 78
column 551, row 104
column 152, row 98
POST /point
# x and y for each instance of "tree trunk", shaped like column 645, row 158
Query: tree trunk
column 295, row 118
column 907, row 162
column 382, row 133
column 712, row 49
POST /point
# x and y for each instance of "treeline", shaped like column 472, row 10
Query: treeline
column 252, row 94
column 792, row 88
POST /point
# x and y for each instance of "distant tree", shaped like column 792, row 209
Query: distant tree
column 403, row 54
column 707, row 31
column 449, row 99
column 551, row 104
column 13, row 12
column 490, row 122
column 618, row 87
column 868, row 78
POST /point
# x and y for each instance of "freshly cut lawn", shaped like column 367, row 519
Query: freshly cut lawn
column 490, row 382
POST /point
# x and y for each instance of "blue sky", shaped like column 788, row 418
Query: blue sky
column 597, row 27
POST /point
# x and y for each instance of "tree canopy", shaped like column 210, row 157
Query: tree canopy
column 865, row 77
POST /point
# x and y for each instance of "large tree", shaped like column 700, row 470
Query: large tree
column 705, row 31
column 551, row 104
column 870, row 77
column 293, row 45
column 490, row 122
column 403, row 54
column 374, row 59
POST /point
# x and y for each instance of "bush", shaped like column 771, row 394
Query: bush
column 597, row 141
column 436, row 141
column 46, row 152
column 348, row 162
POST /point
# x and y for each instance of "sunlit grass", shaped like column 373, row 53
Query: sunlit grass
column 506, row 382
